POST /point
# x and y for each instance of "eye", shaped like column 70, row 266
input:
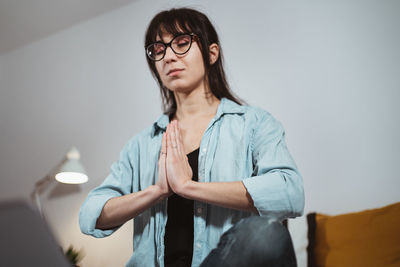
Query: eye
column 158, row 49
column 183, row 40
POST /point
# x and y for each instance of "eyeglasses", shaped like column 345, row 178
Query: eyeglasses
column 180, row 44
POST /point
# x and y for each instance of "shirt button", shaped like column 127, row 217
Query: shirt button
column 198, row 245
column 204, row 150
column 199, row 210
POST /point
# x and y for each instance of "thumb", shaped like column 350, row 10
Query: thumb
column 163, row 151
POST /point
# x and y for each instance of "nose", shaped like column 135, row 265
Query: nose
column 169, row 54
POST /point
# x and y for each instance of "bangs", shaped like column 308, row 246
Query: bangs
column 170, row 22
column 173, row 29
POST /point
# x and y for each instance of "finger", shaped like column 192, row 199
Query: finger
column 179, row 133
column 173, row 139
column 163, row 151
column 168, row 139
column 178, row 140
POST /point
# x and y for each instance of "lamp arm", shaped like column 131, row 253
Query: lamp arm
column 45, row 181
column 39, row 186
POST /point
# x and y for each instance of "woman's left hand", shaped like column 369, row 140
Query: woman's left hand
column 179, row 171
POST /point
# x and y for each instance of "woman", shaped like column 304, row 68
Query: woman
column 204, row 165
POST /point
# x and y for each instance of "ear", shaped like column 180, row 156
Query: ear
column 214, row 53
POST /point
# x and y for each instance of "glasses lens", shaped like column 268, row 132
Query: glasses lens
column 181, row 44
column 156, row 51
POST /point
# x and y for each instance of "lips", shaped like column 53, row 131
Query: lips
column 174, row 71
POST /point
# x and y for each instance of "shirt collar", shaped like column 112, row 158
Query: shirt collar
column 226, row 106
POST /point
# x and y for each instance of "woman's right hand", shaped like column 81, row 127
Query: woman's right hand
column 118, row 210
column 162, row 182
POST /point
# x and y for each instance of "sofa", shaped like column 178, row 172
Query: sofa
column 368, row 238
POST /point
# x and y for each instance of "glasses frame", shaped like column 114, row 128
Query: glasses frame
column 166, row 45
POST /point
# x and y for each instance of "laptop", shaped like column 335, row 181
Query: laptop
column 25, row 238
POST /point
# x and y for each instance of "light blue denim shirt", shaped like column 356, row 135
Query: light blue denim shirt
column 241, row 143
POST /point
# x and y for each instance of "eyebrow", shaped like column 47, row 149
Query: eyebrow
column 173, row 36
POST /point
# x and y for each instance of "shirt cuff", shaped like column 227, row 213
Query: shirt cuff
column 269, row 194
column 90, row 212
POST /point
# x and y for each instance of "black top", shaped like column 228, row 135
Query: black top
column 178, row 237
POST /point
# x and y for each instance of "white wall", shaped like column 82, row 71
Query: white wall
column 329, row 71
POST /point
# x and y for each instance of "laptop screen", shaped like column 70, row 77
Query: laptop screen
column 26, row 239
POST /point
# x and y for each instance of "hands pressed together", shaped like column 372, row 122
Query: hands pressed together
column 174, row 170
column 174, row 176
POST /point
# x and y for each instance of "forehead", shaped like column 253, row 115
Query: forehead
column 165, row 37
column 166, row 32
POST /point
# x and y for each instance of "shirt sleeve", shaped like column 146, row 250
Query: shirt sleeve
column 276, row 186
column 117, row 183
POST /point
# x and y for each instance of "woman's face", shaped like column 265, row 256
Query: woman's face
column 181, row 73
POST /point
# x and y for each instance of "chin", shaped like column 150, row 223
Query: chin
column 179, row 88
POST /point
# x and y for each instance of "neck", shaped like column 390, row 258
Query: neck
column 197, row 103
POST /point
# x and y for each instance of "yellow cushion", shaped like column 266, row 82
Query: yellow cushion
column 367, row 238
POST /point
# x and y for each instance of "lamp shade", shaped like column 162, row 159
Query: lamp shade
column 71, row 170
